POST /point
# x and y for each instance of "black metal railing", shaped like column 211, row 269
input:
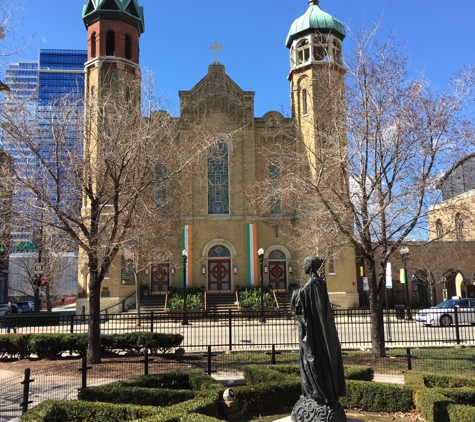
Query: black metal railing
column 241, row 330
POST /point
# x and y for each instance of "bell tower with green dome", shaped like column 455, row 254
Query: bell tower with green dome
column 317, row 85
column 317, row 75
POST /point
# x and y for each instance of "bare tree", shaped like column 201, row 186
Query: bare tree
column 370, row 185
column 105, row 159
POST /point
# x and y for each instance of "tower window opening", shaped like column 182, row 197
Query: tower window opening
column 439, row 228
column 128, row 47
column 459, row 227
column 320, row 48
column 303, row 52
column 336, row 51
column 110, row 43
column 93, row 45
column 304, row 102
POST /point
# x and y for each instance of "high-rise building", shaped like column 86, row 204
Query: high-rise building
column 57, row 76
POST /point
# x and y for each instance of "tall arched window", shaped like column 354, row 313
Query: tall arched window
column 93, row 45
column 128, row 47
column 459, row 227
column 274, row 176
column 439, row 229
column 304, row 102
column 218, row 179
column 160, row 192
column 110, row 44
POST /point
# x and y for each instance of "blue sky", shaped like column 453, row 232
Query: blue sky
column 439, row 37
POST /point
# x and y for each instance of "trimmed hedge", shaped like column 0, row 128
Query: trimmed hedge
column 52, row 346
column 77, row 411
column 440, row 398
column 256, row 374
column 277, row 387
column 377, row 397
column 198, row 403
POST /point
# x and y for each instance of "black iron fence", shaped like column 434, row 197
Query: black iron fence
column 238, row 330
column 63, row 379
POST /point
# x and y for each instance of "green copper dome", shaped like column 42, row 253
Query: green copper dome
column 124, row 10
column 315, row 19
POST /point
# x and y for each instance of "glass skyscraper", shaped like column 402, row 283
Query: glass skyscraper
column 56, row 79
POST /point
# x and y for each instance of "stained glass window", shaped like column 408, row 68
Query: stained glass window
column 160, row 192
column 219, row 251
column 218, row 179
column 275, row 205
column 276, row 254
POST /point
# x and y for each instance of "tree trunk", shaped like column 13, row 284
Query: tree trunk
column 137, row 298
column 376, row 313
column 48, row 298
column 94, row 338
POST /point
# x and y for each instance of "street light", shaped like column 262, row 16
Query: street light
column 404, row 251
column 184, row 253
column 260, row 253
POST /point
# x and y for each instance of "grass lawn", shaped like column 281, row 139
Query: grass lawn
column 450, row 361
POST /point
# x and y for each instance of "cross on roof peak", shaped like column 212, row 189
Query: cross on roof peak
column 216, row 47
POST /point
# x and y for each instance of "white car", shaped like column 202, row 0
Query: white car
column 443, row 314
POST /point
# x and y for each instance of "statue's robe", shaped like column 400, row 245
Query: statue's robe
column 321, row 364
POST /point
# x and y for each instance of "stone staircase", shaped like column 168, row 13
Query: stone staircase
column 155, row 303
column 222, row 302
column 284, row 303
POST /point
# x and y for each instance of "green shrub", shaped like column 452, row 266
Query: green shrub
column 250, row 298
column 137, row 395
column 432, row 405
column 458, row 412
column 269, row 397
column 377, row 397
column 52, row 346
column 194, row 298
column 77, row 411
column 358, row 372
column 15, row 345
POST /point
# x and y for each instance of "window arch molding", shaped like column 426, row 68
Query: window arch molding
column 218, row 242
column 280, row 248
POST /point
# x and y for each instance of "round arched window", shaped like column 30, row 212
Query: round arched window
column 219, row 251
column 276, row 254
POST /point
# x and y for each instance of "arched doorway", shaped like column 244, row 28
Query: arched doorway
column 277, row 270
column 455, row 284
column 219, row 269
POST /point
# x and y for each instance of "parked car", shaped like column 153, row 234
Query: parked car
column 4, row 306
column 443, row 314
column 26, row 306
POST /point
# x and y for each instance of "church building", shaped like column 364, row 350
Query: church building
column 227, row 239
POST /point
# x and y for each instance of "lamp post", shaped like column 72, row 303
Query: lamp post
column 184, row 254
column 260, row 253
column 404, row 251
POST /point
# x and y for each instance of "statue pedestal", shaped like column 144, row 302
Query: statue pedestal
column 288, row 419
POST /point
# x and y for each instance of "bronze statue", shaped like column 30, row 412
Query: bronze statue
column 321, row 364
